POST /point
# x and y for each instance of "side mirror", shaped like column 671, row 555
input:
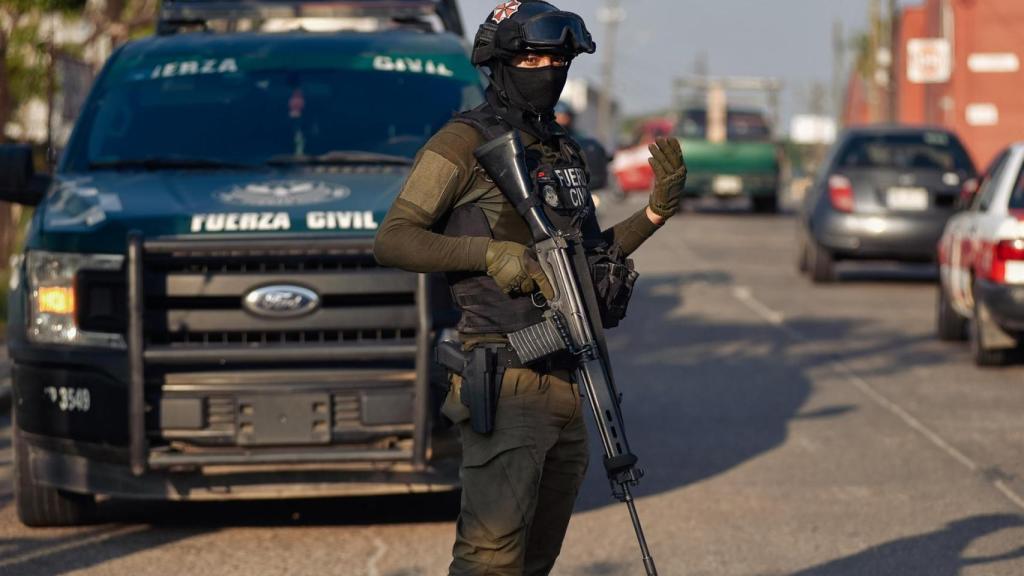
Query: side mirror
column 19, row 182
column 967, row 192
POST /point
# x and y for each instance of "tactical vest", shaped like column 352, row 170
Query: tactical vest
column 561, row 178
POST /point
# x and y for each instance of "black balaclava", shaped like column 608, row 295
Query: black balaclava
column 526, row 97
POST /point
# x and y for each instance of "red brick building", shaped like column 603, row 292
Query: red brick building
column 959, row 65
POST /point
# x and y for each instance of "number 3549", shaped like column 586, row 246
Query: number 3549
column 69, row 399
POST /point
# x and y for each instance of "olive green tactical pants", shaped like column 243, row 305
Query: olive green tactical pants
column 519, row 483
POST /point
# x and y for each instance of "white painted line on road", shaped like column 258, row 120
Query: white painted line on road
column 73, row 544
column 746, row 297
column 380, row 549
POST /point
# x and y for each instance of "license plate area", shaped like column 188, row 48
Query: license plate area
column 281, row 419
column 727, row 185
column 907, row 198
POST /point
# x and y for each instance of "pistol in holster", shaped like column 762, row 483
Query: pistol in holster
column 481, row 373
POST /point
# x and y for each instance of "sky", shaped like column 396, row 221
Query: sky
column 661, row 39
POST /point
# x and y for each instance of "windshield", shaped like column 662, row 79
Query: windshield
column 741, row 126
column 250, row 112
column 924, row 151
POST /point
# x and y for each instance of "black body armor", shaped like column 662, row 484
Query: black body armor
column 561, row 178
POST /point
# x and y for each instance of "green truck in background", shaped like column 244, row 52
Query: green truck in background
column 729, row 147
column 739, row 159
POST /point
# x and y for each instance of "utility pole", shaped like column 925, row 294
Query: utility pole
column 894, row 73
column 838, row 70
column 51, row 92
column 874, row 37
column 611, row 15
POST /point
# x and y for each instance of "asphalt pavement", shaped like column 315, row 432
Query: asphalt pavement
column 786, row 429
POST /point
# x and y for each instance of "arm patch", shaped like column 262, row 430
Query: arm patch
column 431, row 184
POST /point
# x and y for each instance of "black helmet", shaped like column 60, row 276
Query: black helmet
column 518, row 26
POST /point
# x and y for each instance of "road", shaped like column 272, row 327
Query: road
column 786, row 429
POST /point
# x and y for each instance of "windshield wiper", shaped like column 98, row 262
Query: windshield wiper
column 170, row 163
column 340, row 157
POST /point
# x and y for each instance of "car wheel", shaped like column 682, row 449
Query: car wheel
column 951, row 326
column 766, row 204
column 983, row 354
column 821, row 264
column 41, row 506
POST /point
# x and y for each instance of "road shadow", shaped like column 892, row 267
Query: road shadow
column 703, row 395
column 44, row 555
column 864, row 272
column 938, row 553
column 351, row 511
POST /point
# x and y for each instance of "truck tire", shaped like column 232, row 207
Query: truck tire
column 983, row 354
column 821, row 263
column 951, row 326
column 765, row 204
column 42, row 506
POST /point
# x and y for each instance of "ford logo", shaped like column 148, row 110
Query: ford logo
column 281, row 301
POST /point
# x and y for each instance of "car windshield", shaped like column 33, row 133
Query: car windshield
column 694, row 124
column 745, row 126
column 924, row 151
column 741, row 126
column 203, row 113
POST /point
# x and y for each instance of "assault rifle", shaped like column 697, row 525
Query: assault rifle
column 572, row 319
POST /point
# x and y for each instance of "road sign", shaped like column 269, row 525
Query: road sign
column 929, row 61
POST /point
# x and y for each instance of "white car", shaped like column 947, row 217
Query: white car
column 981, row 258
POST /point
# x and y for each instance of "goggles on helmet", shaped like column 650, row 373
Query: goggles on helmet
column 557, row 31
column 535, row 27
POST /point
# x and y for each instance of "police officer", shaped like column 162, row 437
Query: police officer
column 520, row 480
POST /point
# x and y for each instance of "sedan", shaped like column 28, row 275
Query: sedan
column 981, row 263
column 884, row 193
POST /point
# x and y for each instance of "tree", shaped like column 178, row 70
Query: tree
column 120, row 20
column 24, row 54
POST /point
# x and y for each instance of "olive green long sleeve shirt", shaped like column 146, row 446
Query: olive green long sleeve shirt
column 445, row 175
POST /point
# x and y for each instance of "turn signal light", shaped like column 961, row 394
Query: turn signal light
column 840, row 193
column 56, row 300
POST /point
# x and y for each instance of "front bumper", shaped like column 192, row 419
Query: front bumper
column 89, row 469
column 1005, row 304
column 880, row 236
column 348, row 399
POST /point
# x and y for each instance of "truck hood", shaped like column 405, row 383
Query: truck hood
column 95, row 212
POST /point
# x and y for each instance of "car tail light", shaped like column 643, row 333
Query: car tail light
column 840, row 192
column 1003, row 263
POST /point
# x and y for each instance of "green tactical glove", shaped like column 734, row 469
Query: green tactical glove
column 516, row 270
column 669, row 176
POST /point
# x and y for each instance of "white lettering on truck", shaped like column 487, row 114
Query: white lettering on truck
column 340, row 221
column 411, row 66
column 241, row 222
column 193, row 67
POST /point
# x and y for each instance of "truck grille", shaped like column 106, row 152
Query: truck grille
column 193, row 298
column 209, row 372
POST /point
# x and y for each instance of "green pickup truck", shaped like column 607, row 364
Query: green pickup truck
column 735, row 160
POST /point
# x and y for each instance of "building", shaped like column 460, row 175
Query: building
column 958, row 65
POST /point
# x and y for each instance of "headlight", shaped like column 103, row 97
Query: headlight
column 53, row 302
